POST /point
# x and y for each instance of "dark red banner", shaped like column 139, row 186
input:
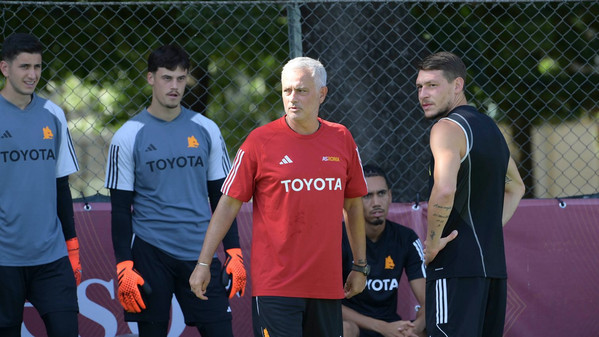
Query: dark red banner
column 550, row 250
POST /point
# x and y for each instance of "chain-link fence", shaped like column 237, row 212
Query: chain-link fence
column 533, row 66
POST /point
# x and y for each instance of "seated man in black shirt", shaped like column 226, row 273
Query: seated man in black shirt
column 391, row 248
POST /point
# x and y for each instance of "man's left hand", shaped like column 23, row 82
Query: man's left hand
column 234, row 267
column 355, row 284
column 408, row 329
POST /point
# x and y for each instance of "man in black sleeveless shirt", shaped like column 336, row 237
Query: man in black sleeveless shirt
column 475, row 190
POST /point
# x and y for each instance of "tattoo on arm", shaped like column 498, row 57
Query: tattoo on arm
column 440, row 219
column 442, row 207
column 360, row 262
column 441, row 216
column 507, row 180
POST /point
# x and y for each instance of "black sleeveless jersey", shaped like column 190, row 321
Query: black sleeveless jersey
column 478, row 250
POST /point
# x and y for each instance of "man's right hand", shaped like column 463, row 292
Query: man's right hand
column 129, row 282
column 430, row 253
column 199, row 279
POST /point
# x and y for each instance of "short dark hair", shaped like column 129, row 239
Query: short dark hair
column 451, row 65
column 18, row 43
column 169, row 56
column 371, row 170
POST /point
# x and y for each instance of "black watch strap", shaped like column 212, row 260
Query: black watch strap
column 362, row 269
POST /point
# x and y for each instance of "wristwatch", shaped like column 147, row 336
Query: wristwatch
column 362, row 269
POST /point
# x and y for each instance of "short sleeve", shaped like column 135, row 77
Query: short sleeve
column 356, row 183
column 240, row 181
column 218, row 160
column 66, row 162
column 120, row 168
column 415, row 267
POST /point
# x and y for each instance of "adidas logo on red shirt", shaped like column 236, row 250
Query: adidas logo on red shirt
column 285, row 160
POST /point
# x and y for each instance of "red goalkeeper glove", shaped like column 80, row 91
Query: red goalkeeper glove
column 234, row 276
column 129, row 283
column 73, row 249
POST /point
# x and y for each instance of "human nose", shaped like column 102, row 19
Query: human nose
column 293, row 96
column 32, row 73
column 371, row 202
column 376, row 201
column 422, row 92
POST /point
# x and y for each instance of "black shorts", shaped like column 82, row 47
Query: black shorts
column 167, row 276
column 296, row 317
column 465, row 307
column 48, row 287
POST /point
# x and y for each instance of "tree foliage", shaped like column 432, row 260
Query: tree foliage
column 236, row 54
column 508, row 48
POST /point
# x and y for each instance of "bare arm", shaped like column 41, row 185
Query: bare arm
column 356, row 234
column 514, row 190
column 221, row 221
column 231, row 239
column 448, row 145
column 372, row 324
column 362, row 321
column 394, row 329
column 354, row 226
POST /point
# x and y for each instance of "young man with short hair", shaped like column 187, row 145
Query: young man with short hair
column 39, row 249
column 168, row 163
column 475, row 190
column 391, row 249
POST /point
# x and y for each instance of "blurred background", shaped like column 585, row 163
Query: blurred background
column 532, row 65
